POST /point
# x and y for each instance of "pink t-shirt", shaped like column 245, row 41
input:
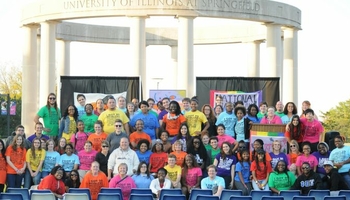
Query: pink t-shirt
column 225, row 138
column 275, row 120
column 125, row 185
column 86, row 158
column 313, row 130
column 81, row 138
column 192, row 176
column 311, row 159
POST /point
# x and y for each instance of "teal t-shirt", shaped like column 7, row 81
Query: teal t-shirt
column 89, row 122
column 51, row 119
column 281, row 181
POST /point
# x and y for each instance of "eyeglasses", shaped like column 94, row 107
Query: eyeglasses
column 118, row 125
column 105, row 146
column 52, row 98
column 73, row 175
column 243, row 147
column 305, row 168
column 293, row 145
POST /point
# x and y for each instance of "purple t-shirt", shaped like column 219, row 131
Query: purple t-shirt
column 224, row 166
column 161, row 114
column 321, row 159
column 276, row 158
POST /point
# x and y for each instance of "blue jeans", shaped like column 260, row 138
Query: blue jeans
column 346, row 176
column 14, row 180
column 28, row 179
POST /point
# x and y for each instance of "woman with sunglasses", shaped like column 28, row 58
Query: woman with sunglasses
column 102, row 157
column 113, row 139
column 308, row 180
column 293, row 155
column 73, row 180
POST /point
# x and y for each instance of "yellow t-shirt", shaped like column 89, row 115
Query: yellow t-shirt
column 72, row 129
column 173, row 172
column 194, row 121
column 108, row 118
column 34, row 162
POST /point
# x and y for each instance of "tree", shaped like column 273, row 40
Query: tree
column 10, row 83
column 338, row 119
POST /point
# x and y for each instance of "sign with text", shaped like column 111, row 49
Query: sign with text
column 234, row 96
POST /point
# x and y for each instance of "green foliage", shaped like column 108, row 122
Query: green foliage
column 338, row 119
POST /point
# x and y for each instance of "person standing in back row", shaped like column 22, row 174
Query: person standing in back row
column 51, row 115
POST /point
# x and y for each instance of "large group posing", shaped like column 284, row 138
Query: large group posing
column 132, row 145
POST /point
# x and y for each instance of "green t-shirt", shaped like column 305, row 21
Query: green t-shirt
column 51, row 119
column 89, row 122
column 281, row 181
column 213, row 153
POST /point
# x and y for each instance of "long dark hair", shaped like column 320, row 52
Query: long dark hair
column 185, row 167
column 201, row 149
column 257, row 161
column 3, row 150
column 295, row 131
column 69, row 180
column 138, row 172
column 48, row 106
column 179, row 135
column 222, row 153
column 75, row 116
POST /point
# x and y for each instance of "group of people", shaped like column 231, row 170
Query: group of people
column 133, row 145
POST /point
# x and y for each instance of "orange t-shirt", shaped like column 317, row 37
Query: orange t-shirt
column 94, row 183
column 173, row 125
column 157, row 160
column 262, row 173
column 3, row 172
column 135, row 137
column 180, row 157
column 18, row 158
column 96, row 140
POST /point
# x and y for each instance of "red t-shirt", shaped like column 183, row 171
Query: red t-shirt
column 157, row 160
column 264, row 169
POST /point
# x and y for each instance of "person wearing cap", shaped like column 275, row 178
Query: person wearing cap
column 334, row 181
column 322, row 155
column 308, row 180
column 261, row 169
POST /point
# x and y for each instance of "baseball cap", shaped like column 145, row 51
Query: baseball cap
column 328, row 162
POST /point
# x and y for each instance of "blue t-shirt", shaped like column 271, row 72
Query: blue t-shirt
column 244, row 168
column 276, row 158
column 151, row 123
column 228, row 120
column 68, row 162
column 51, row 159
column 285, row 119
column 224, row 165
column 81, row 111
column 239, row 130
column 144, row 156
column 340, row 155
column 208, row 184
column 142, row 181
column 255, row 120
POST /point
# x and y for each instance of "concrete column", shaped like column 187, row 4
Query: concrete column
column 47, row 61
column 185, row 72
column 174, row 53
column 30, row 78
column 138, row 49
column 290, row 66
column 63, row 64
column 253, row 58
column 274, row 51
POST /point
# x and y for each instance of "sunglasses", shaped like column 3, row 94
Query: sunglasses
column 242, row 147
column 52, row 98
column 305, row 168
column 118, row 125
column 293, row 145
column 105, row 146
